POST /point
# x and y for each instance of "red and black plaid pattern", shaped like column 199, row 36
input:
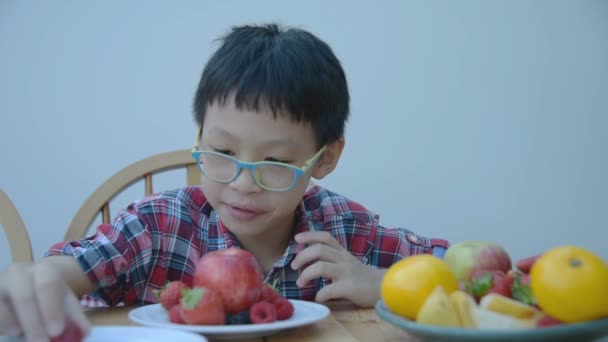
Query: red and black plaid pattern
column 161, row 238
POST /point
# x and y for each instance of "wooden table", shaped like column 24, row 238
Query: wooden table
column 346, row 323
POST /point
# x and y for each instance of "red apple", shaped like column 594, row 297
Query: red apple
column 467, row 257
column 235, row 274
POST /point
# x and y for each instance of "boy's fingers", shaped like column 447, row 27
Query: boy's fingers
column 313, row 253
column 23, row 300
column 329, row 292
column 318, row 269
column 311, row 237
column 50, row 292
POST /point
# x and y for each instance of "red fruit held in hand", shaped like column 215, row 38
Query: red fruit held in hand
column 284, row 308
column 262, row 312
column 170, row 294
column 71, row 333
column 235, row 274
column 525, row 265
column 268, row 294
column 175, row 315
column 202, row 306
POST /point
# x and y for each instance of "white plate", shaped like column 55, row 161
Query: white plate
column 304, row 313
column 131, row 334
column 140, row 334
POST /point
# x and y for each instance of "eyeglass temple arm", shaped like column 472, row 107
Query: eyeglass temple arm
column 197, row 141
column 314, row 158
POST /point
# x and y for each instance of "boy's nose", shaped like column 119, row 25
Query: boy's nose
column 245, row 182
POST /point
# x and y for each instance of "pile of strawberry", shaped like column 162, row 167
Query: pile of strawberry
column 514, row 284
column 204, row 306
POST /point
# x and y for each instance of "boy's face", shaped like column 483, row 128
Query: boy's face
column 245, row 208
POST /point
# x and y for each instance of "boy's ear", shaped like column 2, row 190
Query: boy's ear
column 329, row 159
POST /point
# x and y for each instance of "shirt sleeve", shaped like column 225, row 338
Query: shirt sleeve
column 394, row 244
column 116, row 258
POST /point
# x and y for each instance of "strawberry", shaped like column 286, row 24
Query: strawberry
column 525, row 264
column 262, row 312
column 548, row 321
column 269, row 294
column 170, row 294
column 521, row 291
column 71, row 333
column 484, row 282
column 283, row 307
column 175, row 315
column 525, row 279
column 202, row 306
column 514, row 273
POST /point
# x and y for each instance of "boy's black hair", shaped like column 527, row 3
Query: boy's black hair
column 289, row 70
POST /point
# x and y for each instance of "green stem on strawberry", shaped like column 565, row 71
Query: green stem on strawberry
column 522, row 292
column 480, row 285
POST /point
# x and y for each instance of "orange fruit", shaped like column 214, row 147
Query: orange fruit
column 408, row 282
column 571, row 284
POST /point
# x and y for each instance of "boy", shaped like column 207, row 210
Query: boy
column 271, row 106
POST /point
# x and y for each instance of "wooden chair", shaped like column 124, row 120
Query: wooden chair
column 16, row 234
column 145, row 169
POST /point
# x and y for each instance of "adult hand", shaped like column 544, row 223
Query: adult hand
column 35, row 301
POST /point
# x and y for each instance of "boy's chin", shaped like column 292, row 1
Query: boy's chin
column 249, row 229
column 235, row 225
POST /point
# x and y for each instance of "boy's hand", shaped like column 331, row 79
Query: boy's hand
column 36, row 302
column 325, row 257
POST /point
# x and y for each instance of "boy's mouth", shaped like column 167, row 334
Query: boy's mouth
column 242, row 213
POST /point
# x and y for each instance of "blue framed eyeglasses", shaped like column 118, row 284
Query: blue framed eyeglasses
column 273, row 176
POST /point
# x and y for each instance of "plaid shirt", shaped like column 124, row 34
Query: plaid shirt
column 162, row 237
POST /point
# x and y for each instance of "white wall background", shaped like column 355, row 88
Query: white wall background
column 470, row 119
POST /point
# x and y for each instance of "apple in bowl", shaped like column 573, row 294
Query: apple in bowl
column 469, row 257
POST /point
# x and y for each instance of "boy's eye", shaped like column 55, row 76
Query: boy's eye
column 221, row 151
column 230, row 153
column 278, row 160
